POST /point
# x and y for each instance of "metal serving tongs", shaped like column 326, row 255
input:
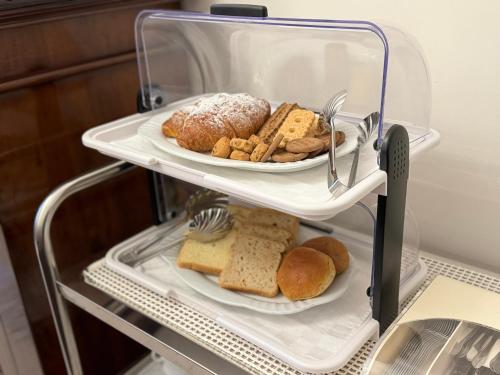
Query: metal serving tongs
column 330, row 110
column 208, row 217
column 366, row 128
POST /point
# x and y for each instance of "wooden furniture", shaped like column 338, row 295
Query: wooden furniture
column 66, row 68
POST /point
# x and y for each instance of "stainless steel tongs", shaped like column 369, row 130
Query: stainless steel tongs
column 330, row 110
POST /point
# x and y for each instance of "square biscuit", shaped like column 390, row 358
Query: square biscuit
column 296, row 125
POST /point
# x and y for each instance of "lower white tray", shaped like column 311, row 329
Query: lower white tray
column 321, row 339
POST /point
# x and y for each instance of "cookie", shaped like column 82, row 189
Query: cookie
column 221, row 148
column 258, row 152
column 314, row 131
column 325, row 138
column 323, row 127
column 272, row 147
column 306, row 144
column 296, row 125
column 241, row 145
column 316, row 153
column 239, row 155
column 285, row 157
column 273, row 123
column 255, row 140
column 339, row 139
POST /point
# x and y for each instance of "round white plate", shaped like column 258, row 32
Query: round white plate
column 151, row 129
column 279, row 305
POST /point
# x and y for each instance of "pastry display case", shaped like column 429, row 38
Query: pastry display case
column 377, row 81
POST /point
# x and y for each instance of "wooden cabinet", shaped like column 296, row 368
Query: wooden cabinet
column 66, row 67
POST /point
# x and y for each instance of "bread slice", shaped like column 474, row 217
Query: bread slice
column 252, row 266
column 240, row 212
column 269, row 233
column 209, row 257
column 266, row 217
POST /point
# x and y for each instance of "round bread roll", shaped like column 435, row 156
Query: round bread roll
column 305, row 273
column 333, row 248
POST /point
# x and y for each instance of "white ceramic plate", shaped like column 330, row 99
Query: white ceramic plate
column 151, row 130
column 279, row 305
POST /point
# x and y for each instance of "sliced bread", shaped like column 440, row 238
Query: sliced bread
column 266, row 217
column 209, row 257
column 269, row 233
column 252, row 266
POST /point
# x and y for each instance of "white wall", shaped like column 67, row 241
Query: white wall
column 454, row 190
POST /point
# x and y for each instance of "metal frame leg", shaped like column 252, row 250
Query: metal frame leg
column 46, row 259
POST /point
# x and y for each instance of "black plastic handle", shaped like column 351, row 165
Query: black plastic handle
column 241, row 10
column 388, row 243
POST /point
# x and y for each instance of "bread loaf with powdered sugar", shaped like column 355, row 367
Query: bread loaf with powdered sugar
column 217, row 116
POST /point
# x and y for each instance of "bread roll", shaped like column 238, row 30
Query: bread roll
column 305, row 273
column 333, row 248
column 222, row 115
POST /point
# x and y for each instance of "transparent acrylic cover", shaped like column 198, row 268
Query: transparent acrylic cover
column 182, row 55
column 360, row 218
column 187, row 54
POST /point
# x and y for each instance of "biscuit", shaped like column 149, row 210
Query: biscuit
column 314, row 131
column 339, row 139
column 306, row 144
column 315, row 153
column 221, row 148
column 241, row 145
column 323, row 127
column 258, row 152
column 285, row 157
column 271, row 126
column 239, row 155
column 276, row 141
column 296, row 125
column 255, row 140
column 325, row 138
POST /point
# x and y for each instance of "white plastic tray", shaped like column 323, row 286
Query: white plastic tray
column 302, row 193
column 321, row 339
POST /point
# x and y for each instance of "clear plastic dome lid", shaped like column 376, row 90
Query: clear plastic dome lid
column 305, row 61
column 361, row 219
